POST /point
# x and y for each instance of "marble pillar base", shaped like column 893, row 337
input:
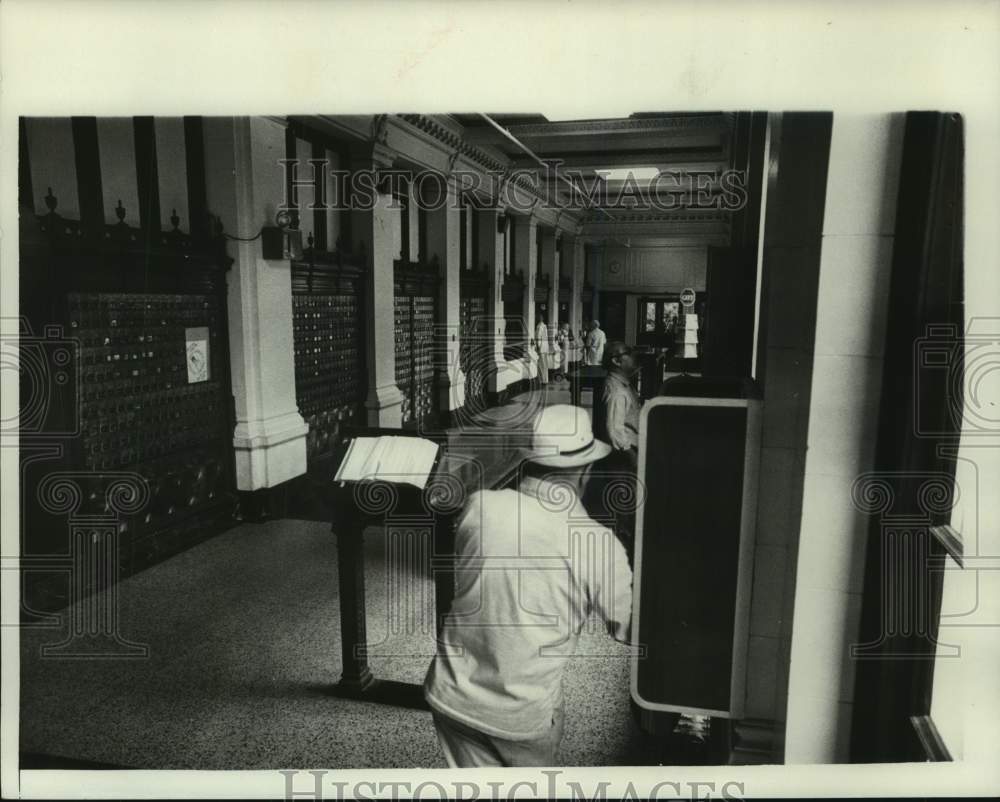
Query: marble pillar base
column 384, row 407
column 271, row 451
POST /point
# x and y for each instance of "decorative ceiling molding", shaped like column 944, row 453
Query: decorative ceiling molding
column 453, row 140
column 509, row 184
column 660, row 217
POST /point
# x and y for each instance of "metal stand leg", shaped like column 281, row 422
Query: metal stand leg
column 356, row 677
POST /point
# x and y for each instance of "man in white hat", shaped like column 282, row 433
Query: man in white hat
column 531, row 565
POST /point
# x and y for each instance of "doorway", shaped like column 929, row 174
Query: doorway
column 656, row 321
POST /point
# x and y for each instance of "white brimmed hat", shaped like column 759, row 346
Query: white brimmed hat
column 564, row 438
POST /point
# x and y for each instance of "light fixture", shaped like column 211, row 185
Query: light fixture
column 281, row 241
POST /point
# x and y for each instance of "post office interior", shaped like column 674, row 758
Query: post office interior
column 201, row 312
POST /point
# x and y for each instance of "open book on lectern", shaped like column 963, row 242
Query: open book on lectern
column 390, row 458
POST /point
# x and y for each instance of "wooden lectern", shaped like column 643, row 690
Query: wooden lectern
column 483, row 459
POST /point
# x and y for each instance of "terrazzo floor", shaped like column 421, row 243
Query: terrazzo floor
column 242, row 633
column 242, row 637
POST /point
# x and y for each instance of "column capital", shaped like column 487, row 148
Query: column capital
column 282, row 121
column 373, row 156
column 526, row 220
column 546, row 233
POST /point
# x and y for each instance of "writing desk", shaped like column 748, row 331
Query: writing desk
column 486, row 457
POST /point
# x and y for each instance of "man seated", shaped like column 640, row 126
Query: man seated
column 612, row 493
column 621, row 401
column 528, row 574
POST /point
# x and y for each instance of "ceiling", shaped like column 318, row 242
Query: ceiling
column 681, row 145
column 662, row 140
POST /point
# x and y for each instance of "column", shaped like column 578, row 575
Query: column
column 372, row 233
column 550, row 268
column 244, row 184
column 490, row 257
column 595, row 269
column 855, row 263
column 443, row 245
column 526, row 258
column 573, row 250
column 556, row 286
column 412, row 212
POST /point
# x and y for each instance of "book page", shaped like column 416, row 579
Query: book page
column 392, row 458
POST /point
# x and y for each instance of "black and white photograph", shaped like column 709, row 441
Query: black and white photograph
column 611, row 444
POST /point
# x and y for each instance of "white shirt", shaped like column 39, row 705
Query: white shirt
column 622, row 404
column 594, row 352
column 525, row 583
column 542, row 337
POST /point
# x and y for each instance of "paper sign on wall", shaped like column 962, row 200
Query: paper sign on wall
column 196, row 340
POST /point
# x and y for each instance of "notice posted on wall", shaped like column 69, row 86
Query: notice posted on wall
column 196, row 341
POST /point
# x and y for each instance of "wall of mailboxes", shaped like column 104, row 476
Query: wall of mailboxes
column 125, row 298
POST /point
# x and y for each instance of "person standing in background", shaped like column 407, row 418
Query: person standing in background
column 594, row 350
column 564, row 342
column 544, row 348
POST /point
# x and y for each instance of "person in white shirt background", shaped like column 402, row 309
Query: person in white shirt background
column 596, row 339
column 564, row 344
column 523, row 592
column 544, row 348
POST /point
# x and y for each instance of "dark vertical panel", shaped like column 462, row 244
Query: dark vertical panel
column 477, row 258
column 732, row 272
column 88, row 171
column 321, row 238
column 146, row 175
column 694, row 452
column 793, row 233
column 463, row 235
column 404, row 201
column 25, row 193
column 422, row 254
column 290, row 154
column 344, row 199
column 538, row 252
column 506, row 245
column 513, row 247
column 194, row 149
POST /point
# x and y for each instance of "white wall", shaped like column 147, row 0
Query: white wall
column 855, row 265
column 651, row 270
